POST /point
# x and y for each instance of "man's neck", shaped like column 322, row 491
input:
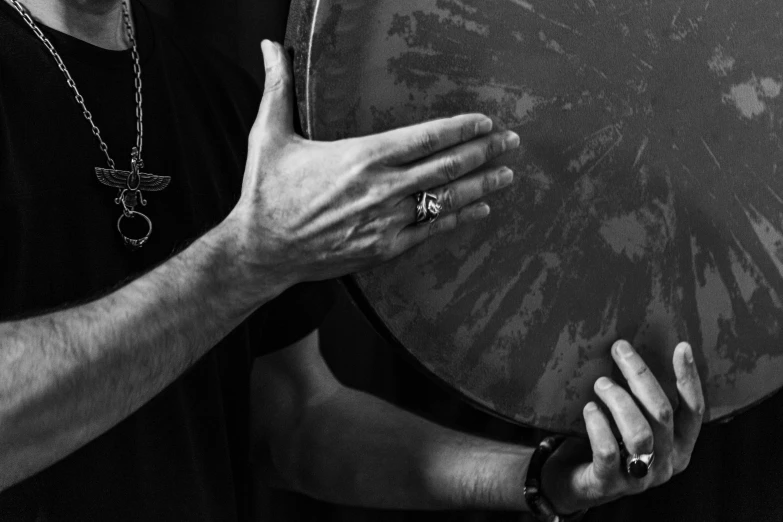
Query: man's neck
column 98, row 22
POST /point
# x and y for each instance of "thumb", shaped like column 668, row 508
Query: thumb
column 277, row 104
column 566, row 476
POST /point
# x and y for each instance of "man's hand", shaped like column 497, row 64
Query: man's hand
column 646, row 422
column 315, row 210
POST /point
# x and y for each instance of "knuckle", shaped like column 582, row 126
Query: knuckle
column 450, row 167
column 468, row 131
column 641, row 370
column 489, row 183
column 607, row 456
column 428, row 142
column 642, row 440
column 495, row 147
column 490, row 150
column 274, row 80
column 664, row 414
column 448, row 200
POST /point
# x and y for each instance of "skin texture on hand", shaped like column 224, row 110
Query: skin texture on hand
column 316, row 210
column 646, row 422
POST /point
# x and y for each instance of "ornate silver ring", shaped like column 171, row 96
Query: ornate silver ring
column 131, row 243
column 427, row 207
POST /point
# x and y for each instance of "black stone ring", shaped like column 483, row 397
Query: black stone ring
column 639, row 464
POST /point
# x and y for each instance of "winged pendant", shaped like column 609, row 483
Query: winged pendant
column 119, row 179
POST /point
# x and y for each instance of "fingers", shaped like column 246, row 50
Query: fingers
column 409, row 144
column 461, row 193
column 459, row 206
column 606, row 452
column 412, row 236
column 643, row 426
column 634, row 428
column 276, row 112
column 452, row 164
column 648, row 392
column 689, row 415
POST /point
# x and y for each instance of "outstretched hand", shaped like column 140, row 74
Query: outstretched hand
column 314, row 210
column 646, row 422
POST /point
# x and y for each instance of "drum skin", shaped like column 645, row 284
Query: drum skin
column 647, row 204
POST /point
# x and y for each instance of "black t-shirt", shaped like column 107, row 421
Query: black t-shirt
column 184, row 455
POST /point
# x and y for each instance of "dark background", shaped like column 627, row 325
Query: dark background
column 358, row 356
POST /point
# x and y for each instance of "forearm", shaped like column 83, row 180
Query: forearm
column 358, row 449
column 68, row 376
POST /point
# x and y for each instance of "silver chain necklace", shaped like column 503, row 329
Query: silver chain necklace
column 130, row 183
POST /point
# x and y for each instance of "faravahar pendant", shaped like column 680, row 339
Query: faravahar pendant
column 131, row 183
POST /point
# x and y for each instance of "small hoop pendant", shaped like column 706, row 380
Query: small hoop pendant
column 131, row 243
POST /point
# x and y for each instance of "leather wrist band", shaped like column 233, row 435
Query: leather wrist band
column 538, row 504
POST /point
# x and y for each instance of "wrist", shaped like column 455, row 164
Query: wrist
column 557, row 488
column 541, row 486
column 235, row 271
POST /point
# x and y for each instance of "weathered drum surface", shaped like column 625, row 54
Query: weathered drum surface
column 647, row 203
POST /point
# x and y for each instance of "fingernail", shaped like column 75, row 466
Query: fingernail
column 481, row 211
column 603, row 383
column 590, row 406
column 271, row 53
column 505, row 177
column 484, row 126
column 688, row 353
column 623, row 348
column 511, row 140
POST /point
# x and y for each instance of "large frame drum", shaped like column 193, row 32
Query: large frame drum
column 648, row 203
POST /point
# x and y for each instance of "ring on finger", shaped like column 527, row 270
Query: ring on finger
column 637, row 465
column 428, row 207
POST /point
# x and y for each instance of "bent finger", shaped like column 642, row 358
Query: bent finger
column 649, row 393
column 606, row 451
column 412, row 143
column 690, row 413
column 631, row 422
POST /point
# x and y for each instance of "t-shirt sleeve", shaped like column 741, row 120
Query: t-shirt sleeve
column 294, row 314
